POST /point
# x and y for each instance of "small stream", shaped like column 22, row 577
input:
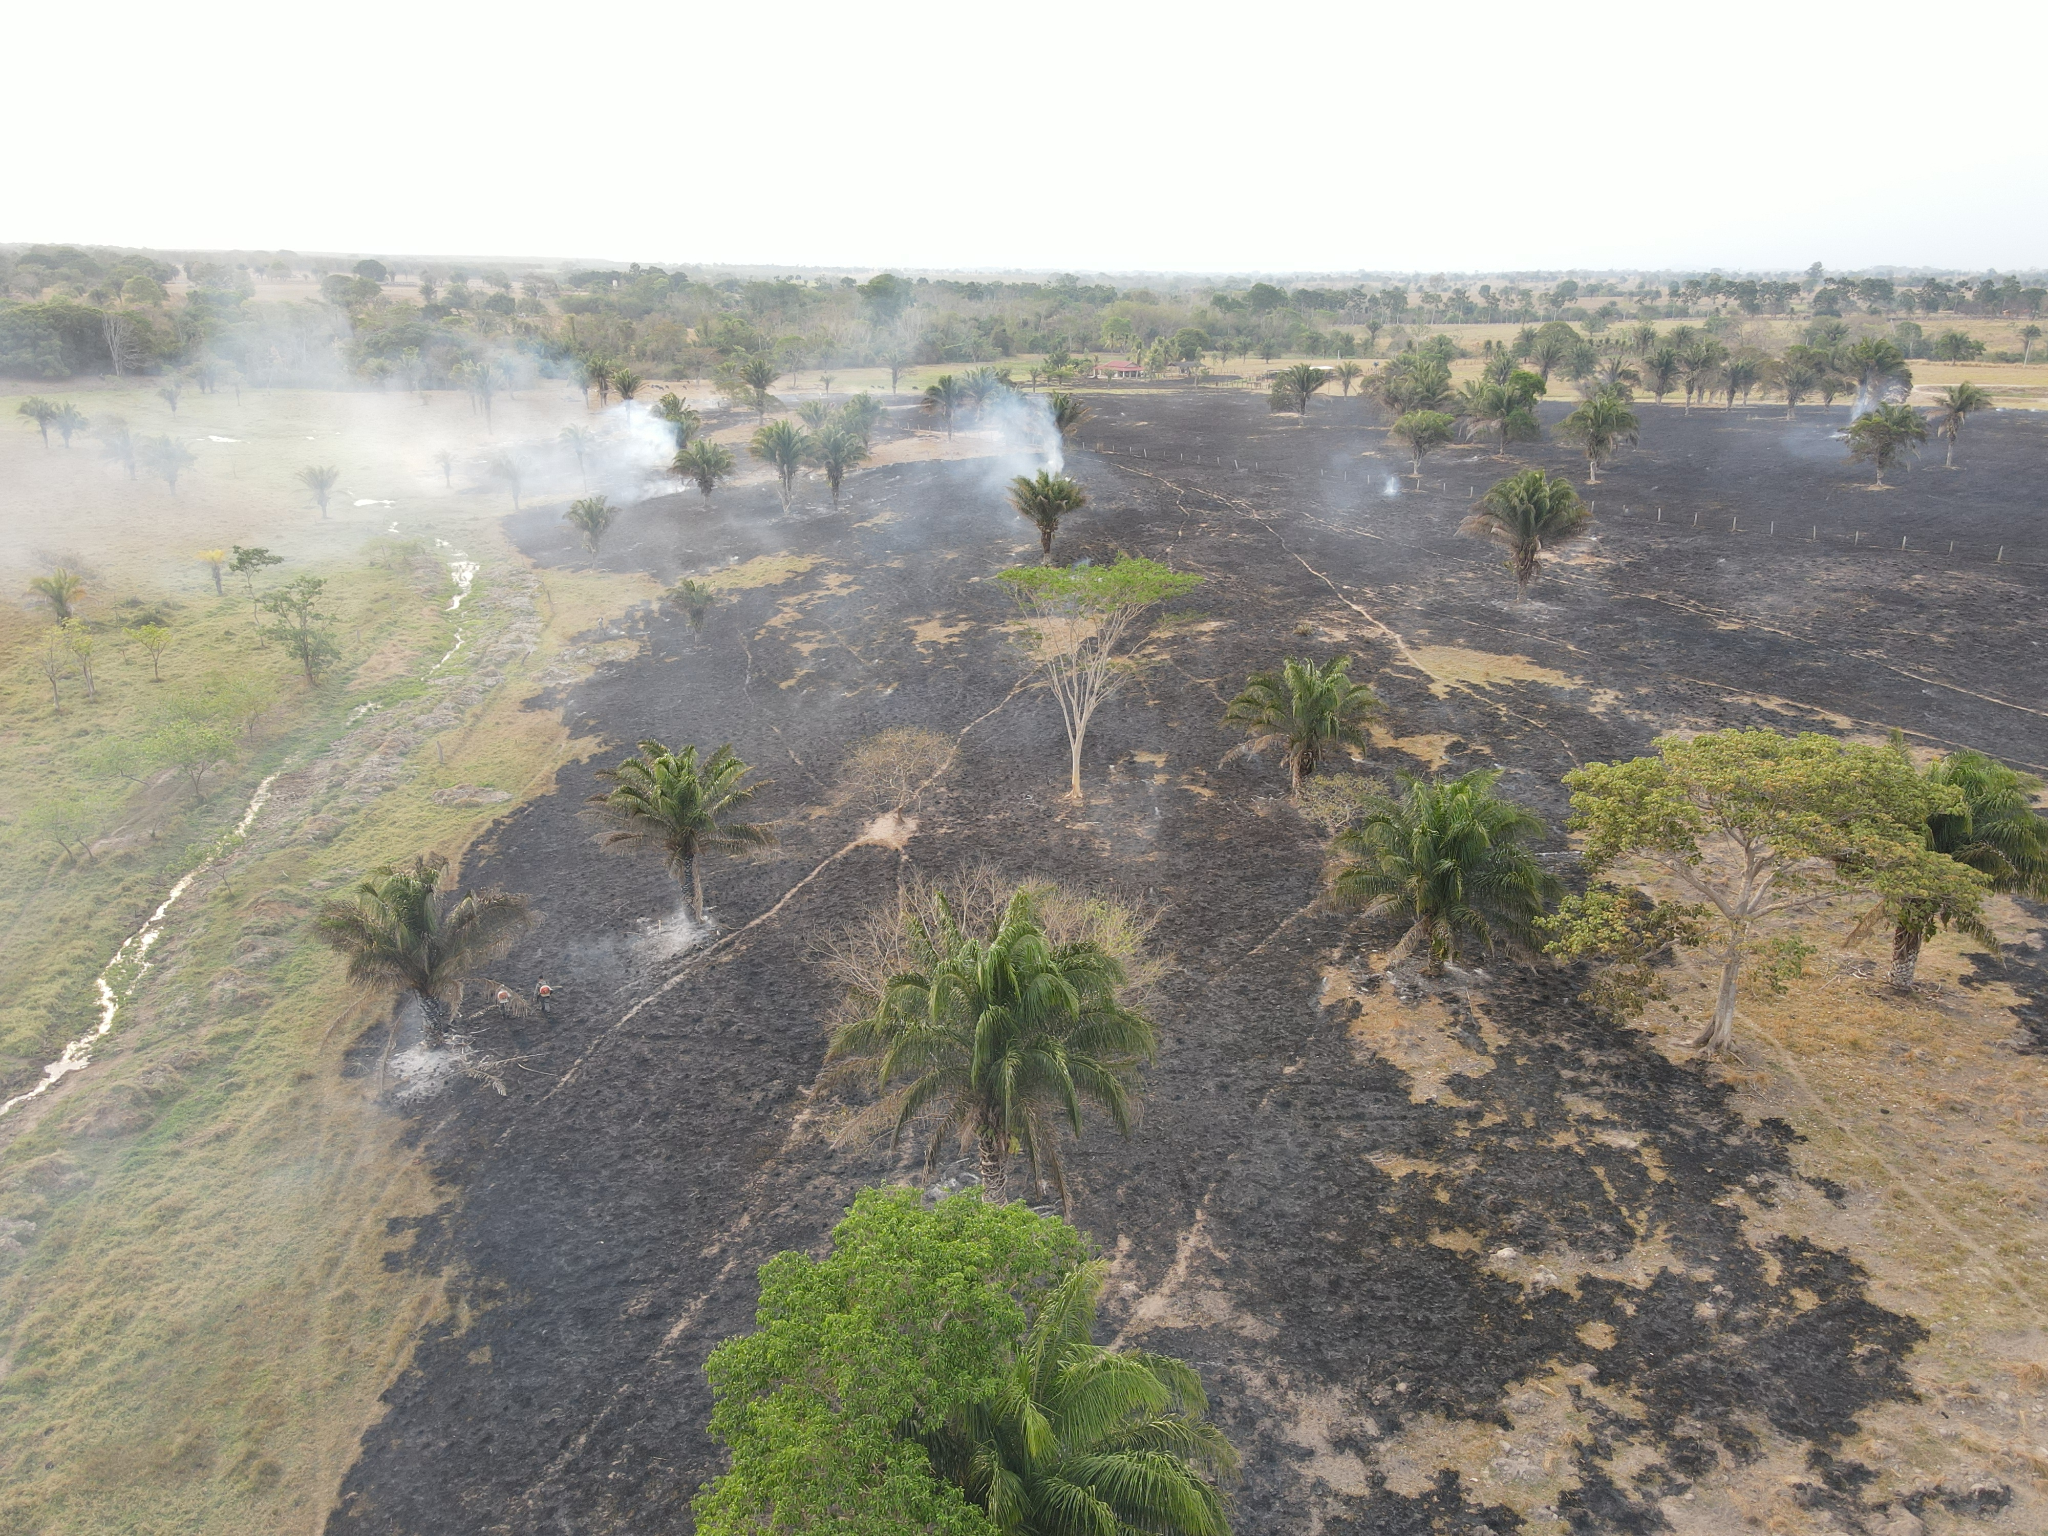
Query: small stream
column 464, row 570
column 120, row 976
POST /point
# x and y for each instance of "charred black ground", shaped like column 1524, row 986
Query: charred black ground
column 608, row 1227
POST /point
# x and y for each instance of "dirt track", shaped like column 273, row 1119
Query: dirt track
column 1400, row 1235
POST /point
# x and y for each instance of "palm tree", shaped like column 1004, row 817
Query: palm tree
column 1660, row 367
column 1346, row 374
column 1600, row 426
column 594, row 372
column 1423, row 432
column 945, row 397
column 169, row 394
column 1529, row 512
column 893, row 361
column 1070, row 413
column 2028, row 336
column 446, row 460
column 167, row 458
column 815, row 413
column 1045, row 498
column 511, row 471
column 783, row 446
column 682, row 421
column 1304, row 711
column 216, row 562
column 40, row 413
column 1552, row 349
column 1502, row 409
column 1699, row 365
column 998, row 1039
column 1450, row 858
column 67, row 419
column 319, row 479
column 1411, row 383
column 863, row 413
column 1081, row 1437
column 1739, row 375
column 1295, row 386
column 1882, row 433
column 672, row 802
column 1997, row 832
column 758, row 374
column 1951, row 407
column 705, row 462
column 61, row 589
column 696, row 599
column 980, row 385
column 835, row 450
column 592, row 518
column 395, row 934
column 1795, row 376
column 118, row 442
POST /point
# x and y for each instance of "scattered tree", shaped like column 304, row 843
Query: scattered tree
column 40, row 413
column 446, row 460
column 628, row 384
column 246, row 563
column 592, row 518
column 1506, row 408
column 216, row 562
column 757, row 374
column 886, row 769
column 1294, row 386
column 193, row 747
column 1885, row 431
column 862, row 413
column 1450, row 858
column 170, row 393
column 81, row 643
column 1303, row 711
column 152, row 640
column 682, row 421
column 1952, row 406
column 2029, row 334
column 395, row 934
column 682, row 807
column 580, row 441
column 118, row 443
column 67, row 419
column 1044, row 499
column 696, row 599
column 510, row 472
column 1422, row 433
column 1529, row 513
column 1346, row 374
column 1877, row 366
column 1070, row 413
column 1758, row 826
column 1081, row 631
column 319, row 480
column 300, row 626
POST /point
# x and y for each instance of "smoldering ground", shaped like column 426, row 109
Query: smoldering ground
column 1461, row 1260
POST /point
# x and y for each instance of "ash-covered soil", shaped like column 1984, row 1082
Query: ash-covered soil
column 1457, row 1261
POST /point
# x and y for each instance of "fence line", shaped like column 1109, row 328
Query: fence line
column 1912, row 543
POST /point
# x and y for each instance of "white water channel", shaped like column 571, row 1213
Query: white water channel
column 120, row 976
column 464, row 570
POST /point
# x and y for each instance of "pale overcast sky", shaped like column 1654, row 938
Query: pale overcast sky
column 1103, row 137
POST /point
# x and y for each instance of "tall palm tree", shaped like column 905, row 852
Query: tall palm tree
column 758, row 374
column 684, row 422
column 628, row 384
column 40, row 414
column 835, row 450
column 1449, row 857
column 1413, row 382
column 1699, row 365
column 2029, row 334
column 1347, row 373
column 980, row 385
column 863, row 413
column 580, row 441
column 1660, row 367
column 696, row 599
column 1884, row 432
column 1529, row 513
column 1739, row 375
column 783, row 447
column 1501, row 408
column 61, row 589
column 1304, row 711
column 592, row 518
column 1876, row 365
column 1081, row 1437
column 672, row 802
column 1952, row 407
column 166, row 458
column 705, row 462
column 1044, row 499
column 319, row 479
column 996, row 1040
column 944, row 398
column 1600, row 426
column 67, row 419
column 1795, row 376
column 815, row 413
column 118, row 443
column 1422, row 433
column 396, row 933
column 1551, row 350
column 1997, row 832
column 595, row 372
column 1295, row 385
column 1070, row 413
